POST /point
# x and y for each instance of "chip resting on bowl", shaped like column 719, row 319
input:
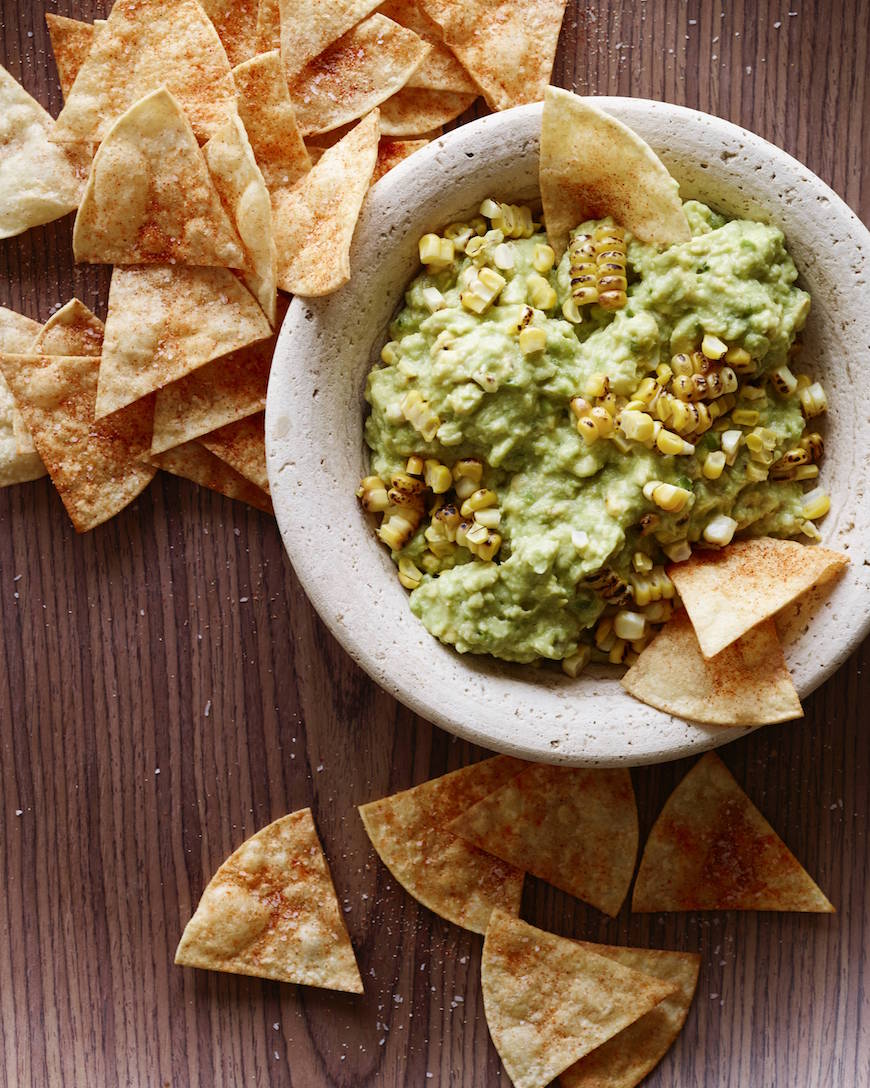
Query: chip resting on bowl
column 451, row 877
column 746, row 684
column 711, row 849
column 243, row 446
column 309, row 26
column 550, row 1001
column 728, row 592
column 19, row 461
column 271, row 911
column 71, row 41
column 574, row 827
column 194, row 462
column 414, row 111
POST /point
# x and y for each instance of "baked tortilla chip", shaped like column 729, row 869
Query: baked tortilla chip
column 746, row 684
column 39, row 181
column 194, row 462
column 729, row 591
column 550, row 1001
column 19, row 461
column 73, row 330
column 236, row 24
column 271, row 911
column 242, row 445
column 363, row 68
column 392, row 152
column 309, row 26
column 150, row 198
column 94, row 464
column 440, row 70
column 711, row 849
column 624, row 1060
column 593, row 166
column 508, row 46
column 268, row 26
column 165, row 321
column 145, row 45
column 576, row 828
column 414, row 111
column 315, row 220
column 449, row 876
column 71, row 42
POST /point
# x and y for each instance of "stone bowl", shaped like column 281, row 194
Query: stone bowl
column 316, row 453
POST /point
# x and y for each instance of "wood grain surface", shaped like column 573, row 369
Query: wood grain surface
column 165, row 690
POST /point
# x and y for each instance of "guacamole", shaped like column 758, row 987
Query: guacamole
column 555, row 540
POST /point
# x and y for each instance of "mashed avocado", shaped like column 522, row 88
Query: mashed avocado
column 573, row 520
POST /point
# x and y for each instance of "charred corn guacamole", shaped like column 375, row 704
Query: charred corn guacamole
column 545, row 438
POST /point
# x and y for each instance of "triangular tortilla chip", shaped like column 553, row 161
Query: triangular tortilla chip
column 150, row 199
column 95, row 465
column 449, row 876
column 270, row 121
column 38, row 180
column 243, row 192
column 440, row 70
column 414, row 111
column 508, row 46
column 593, row 166
column 747, row 684
column 271, row 911
column 729, row 591
column 392, row 152
column 236, row 24
column 71, row 42
column 624, row 1060
column 242, row 445
column 550, row 1001
column 165, row 321
column 711, row 849
column 73, row 330
column 574, row 827
column 310, row 26
column 145, row 45
column 268, row 26
column 355, row 74
column 19, row 461
column 315, row 220
column 194, row 462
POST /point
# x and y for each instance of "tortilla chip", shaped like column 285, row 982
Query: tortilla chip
column 310, row 26
column 449, row 876
column 236, row 24
column 729, row 591
column 508, row 46
column 242, row 445
column 18, row 465
column 150, row 199
column 268, row 26
column 315, row 220
column 576, row 828
column 711, row 849
column 243, row 191
column 145, row 45
column 550, row 1001
column 747, row 684
column 165, row 321
column 392, row 152
column 95, row 465
column 38, row 180
column 414, row 111
column 271, row 911
column 593, row 166
column 73, row 330
column 270, row 121
column 440, row 70
column 624, row 1060
column 355, row 74
column 71, row 42
column 194, row 462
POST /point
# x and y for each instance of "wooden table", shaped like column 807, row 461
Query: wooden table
column 165, row 690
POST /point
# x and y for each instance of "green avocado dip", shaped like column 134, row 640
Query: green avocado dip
column 545, row 439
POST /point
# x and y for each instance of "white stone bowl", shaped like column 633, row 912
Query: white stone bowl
column 316, row 452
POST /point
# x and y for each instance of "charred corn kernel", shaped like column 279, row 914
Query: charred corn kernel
column 608, row 585
column 438, row 477
column 809, row 530
column 399, row 525
column 603, row 420
column 785, row 467
column 745, row 417
column 683, row 416
column 490, row 517
column 729, row 380
column 540, row 294
column 414, row 466
column 629, row 625
column 714, row 465
column 410, row 574
column 720, row 530
column 436, row 252
column 532, row 341
column 543, row 258
column 433, row 300
column 372, row 494
column 699, row 383
column 705, row 418
column 459, row 234
column 731, row 441
column 663, row 374
column 813, row 400
column 503, row 257
column 814, row 445
column 637, row 426
column 571, row 312
column 667, row 496
column 449, row 519
column 488, row 549
column 612, row 299
column 683, row 387
column 816, row 504
column 669, row 443
column 579, row 406
column 713, row 347
column 740, row 360
column 480, row 500
column 700, row 363
column 514, row 219
column 609, row 403
column 783, row 381
column 642, row 562
column 419, row 414
column 678, row 552
column 752, row 392
column 462, row 533
column 575, row 664
column 715, row 385
column 681, row 364
column 756, row 473
column 482, row 291
column 597, row 385
column 647, row 390
column 647, row 588
column 525, row 319
column 806, row 472
column 405, row 490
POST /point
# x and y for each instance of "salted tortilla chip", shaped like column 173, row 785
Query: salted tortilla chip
column 414, row 111
column 18, row 463
column 150, row 198
column 271, row 911
column 711, row 849
column 236, row 24
column 243, row 446
column 392, row 152
column 39, row 181
column 72, row 330
column 593, row 166
column 440, row 70
column 270, row 120
column 193, row 461
column 268, row 26
column 71, row 42
column 315, row 220
column 355, row 74
column 746, row 684
column 550, row 1001
column 624, row 1060
column 165, row 321
column 145, row 45
column 508, row 46
column 573, row 827
column 449, row 876
column 94, row 464
column 310, row 26
column 729, row 591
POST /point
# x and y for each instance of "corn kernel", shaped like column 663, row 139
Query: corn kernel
column 667, row 496
column 642, row 562
column 532, row 340
column 436, row 252
column 479, row 500
column 783, row 381
column 629, row 625
column 636, row 426
column 414, row 466
column 390, row 353
column 669, row 443
column 816, row 504
column 410, row 574
column 740, row 360
column 678, row 552
column 571, row 312
column 503, row 257
column 544, row 258
column 489, row 548
column 489, row 208
column 713, row 348
column 541, row 294
column 720, row 530
column 745, row 417
column 575, row 664
column 813, row 400
column 714, row 465
column 438, row 477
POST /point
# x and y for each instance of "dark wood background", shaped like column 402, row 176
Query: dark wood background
column 165, row 690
